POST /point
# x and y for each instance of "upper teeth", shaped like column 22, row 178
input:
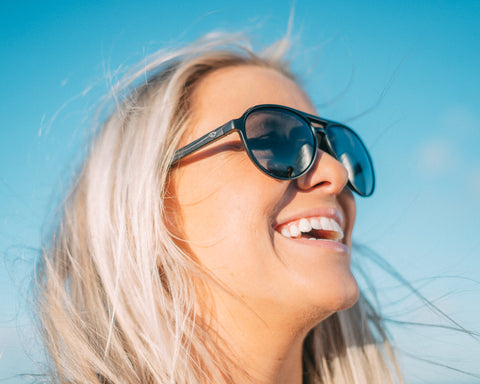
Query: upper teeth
column 304, row 225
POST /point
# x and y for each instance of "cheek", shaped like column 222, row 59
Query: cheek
column 224, row 216
column 349, row 207
column 217, row 205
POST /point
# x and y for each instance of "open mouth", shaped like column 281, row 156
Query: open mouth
column 312, row 228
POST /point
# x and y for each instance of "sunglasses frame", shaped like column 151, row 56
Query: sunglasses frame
column 238, row 125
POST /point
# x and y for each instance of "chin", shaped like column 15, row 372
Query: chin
column 347, row 296
column 336, row 298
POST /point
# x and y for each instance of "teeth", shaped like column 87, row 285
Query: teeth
column 326, row 224
column 315, row 224
column 294, row 231
column 304, row 225
column 337, row 227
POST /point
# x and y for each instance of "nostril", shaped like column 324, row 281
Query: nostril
column 321, row 184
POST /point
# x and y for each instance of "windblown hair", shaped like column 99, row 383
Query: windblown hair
column 117, row 298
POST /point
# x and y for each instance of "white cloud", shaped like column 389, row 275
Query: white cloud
column 436, row 157
column 453, row 146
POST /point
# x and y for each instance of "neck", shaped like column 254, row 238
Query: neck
column 266, row 356
column 269, row 350
column 271, row 359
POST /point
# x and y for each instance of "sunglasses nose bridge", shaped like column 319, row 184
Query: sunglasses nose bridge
column 322, row 140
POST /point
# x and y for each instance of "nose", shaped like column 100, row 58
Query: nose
column 326, row 173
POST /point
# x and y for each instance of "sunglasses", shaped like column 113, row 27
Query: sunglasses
column 282, row 142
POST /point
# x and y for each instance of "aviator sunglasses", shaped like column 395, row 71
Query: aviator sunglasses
column 282, row 142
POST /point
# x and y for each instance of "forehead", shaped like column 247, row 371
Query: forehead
column 227, row 93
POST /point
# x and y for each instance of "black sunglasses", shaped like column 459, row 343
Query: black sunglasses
column 283, row 142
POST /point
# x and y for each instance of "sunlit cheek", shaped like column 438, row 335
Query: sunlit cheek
column 212, row 211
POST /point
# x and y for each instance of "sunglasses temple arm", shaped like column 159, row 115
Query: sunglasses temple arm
column 204, row 140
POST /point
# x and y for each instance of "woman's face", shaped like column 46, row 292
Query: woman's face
column 231, row 215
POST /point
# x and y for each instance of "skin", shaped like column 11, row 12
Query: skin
column 277, row 289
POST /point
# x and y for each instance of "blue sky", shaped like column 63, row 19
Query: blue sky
column 412, row 65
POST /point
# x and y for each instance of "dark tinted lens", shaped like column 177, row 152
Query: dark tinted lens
column 281, row 142
column 352, row 153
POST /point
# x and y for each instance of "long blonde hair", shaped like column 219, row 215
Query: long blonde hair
column 117, row 299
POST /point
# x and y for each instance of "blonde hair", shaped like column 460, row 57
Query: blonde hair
column 116, row 297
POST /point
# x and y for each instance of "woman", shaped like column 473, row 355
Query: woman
column 200, row 247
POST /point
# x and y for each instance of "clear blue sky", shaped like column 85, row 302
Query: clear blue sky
column 415, row 62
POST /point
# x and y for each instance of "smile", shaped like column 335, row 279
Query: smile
column 312, row 228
